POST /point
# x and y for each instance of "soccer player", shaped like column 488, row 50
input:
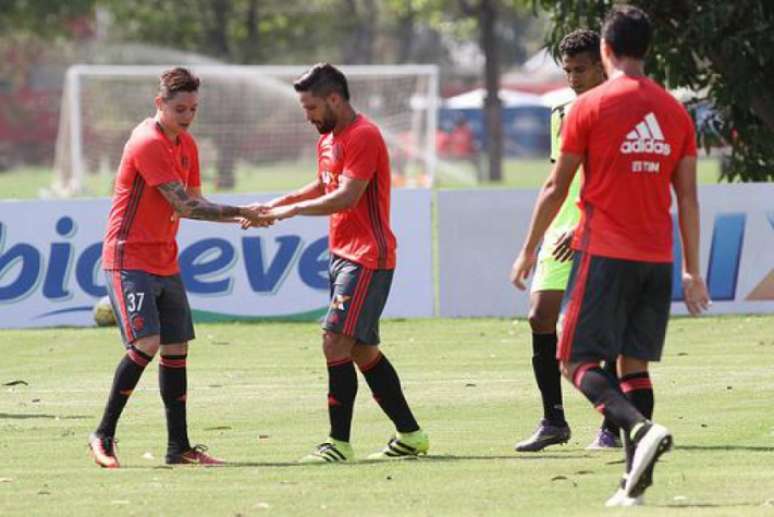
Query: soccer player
column 634, row 140
column 353, row 187
column 158, row 182
column 582, row 64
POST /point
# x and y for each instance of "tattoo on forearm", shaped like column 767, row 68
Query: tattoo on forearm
column 195, row 208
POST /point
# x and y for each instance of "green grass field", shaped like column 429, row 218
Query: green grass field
column 257, row 398
column 30, row 182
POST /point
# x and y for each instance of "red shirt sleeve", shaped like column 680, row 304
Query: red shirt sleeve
column 576, row 128
column 155, row 163
column 361, row 155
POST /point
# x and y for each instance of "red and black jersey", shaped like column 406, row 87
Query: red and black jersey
column 142, row 225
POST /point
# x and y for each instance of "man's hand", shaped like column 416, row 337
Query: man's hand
column 522, row 267
column 562, row 251
column 263, row 216
column 695, row 292
column 255, row 216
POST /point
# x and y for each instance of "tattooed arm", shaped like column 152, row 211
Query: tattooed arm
column 196, row 207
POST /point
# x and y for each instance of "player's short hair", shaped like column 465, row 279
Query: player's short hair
column 628, row 31
column 580, row 41
column 175, row 80
column 322, row 80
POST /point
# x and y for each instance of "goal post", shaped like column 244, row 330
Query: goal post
column 249, row 118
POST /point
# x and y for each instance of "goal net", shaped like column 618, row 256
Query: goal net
column 249, row 122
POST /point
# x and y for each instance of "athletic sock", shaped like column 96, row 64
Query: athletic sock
column 603, row 392
column 608, row 424
column 173, row 385
column 342, row 389
column 639, row 390
column 546, row 368
column 385, row 386
column 128, row 373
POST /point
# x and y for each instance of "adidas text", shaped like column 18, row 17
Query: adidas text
column 646, row 146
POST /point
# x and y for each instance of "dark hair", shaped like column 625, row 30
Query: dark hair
column 628, row 31
column 322, row 80
column 578, row 42
column 177, row 80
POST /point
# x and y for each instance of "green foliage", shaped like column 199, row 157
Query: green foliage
column 722, row 50
column 49, row 18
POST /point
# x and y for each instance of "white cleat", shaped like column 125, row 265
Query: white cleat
column 620, row 499
column 656, row 441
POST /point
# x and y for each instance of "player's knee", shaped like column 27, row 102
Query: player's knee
column 365, row 355
column 540, row 321
column 630, row 365
column 336, row 346
column 148, row 345
column 567, row 369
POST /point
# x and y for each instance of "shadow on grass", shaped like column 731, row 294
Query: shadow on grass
column 702, row 448
column 424, row 459
column 705, row 505
column 13, row 416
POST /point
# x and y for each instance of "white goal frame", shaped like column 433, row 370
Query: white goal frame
column 71, row 120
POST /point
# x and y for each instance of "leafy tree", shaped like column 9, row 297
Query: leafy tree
column 722, row 50
column 48, row 18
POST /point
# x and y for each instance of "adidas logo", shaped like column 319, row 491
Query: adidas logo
column 646, row 137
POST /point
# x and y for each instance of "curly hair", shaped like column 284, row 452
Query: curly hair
column 580, row 41
column 175, row 80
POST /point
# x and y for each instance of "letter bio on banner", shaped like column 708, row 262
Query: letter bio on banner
column 50, row 263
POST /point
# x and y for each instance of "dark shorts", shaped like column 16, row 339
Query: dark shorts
column 614, row 307
column 358, row 296
column 146, row 304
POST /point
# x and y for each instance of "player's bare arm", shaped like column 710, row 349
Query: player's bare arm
column 346, row 196
column 196, row 192
column 193, row 207
column 550, row 200
column 311, row 190
column 684, row 184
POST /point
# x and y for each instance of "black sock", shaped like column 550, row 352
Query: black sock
column 342, row 389
column 639, row 390
column 128, row 373
column 603, row 392
column 173, row 385
column 385, row 386
column 610, row 368
column 546, row 368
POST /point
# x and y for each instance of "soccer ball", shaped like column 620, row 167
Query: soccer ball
column 103, row 313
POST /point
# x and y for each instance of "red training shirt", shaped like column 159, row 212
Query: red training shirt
column 632, row 134
column 142, row 225
column 362, row 233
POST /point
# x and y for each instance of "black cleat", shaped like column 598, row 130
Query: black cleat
column 545, row 435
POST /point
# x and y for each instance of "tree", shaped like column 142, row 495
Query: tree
column 724, row 51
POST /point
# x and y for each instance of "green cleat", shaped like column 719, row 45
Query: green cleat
column 332, row 451
column 404, row 446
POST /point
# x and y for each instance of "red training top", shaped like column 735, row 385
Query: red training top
column 361, row 234
column 142, row 225
column 632, row 134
